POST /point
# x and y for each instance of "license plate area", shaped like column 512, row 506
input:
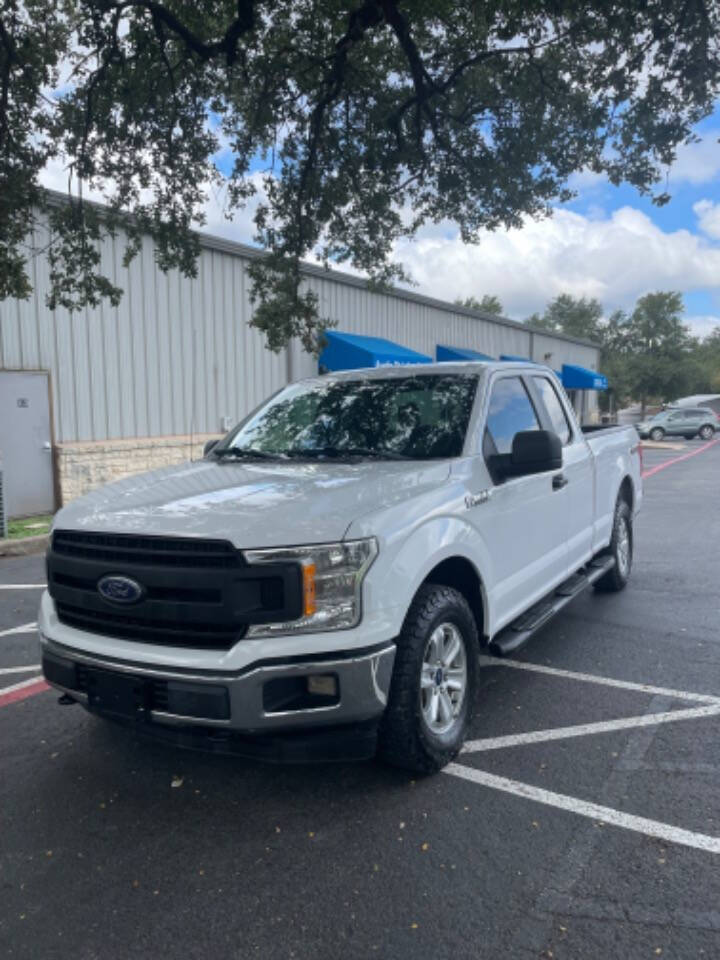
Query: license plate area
column 117, row 694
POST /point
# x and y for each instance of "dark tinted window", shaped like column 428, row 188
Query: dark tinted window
column 418, row 417
column 554, row 408
column 510, row 411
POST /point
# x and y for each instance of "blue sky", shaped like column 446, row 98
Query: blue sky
column 678, row 213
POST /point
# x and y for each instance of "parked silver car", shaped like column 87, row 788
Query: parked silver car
column 685, row 422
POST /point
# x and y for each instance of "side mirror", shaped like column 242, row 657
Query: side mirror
column 535, row 451
column 210, row 445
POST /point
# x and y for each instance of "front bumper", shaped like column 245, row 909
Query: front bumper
column 266, row 698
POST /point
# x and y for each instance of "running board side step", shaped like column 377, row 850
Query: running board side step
column 517, row 633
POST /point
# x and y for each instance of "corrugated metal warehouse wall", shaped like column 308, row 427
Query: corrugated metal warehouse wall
column 177, row 355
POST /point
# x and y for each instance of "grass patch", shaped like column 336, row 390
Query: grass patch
column 29, row 526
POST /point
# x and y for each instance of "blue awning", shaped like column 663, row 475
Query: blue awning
column 458, row 353
column 580, row 378
column 351, row 351
column 510, row 356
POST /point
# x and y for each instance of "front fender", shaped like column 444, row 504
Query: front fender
column 437, row 539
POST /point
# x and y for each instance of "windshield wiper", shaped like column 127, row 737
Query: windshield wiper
column 241, row 453
column 338, row 453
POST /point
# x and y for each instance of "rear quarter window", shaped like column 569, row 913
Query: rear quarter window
column 558, row 417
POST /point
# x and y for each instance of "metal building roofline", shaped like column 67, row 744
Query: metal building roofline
column 234, row 248
column 212, row 242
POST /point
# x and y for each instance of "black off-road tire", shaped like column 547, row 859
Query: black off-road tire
column 405, row 740
column 617, row 578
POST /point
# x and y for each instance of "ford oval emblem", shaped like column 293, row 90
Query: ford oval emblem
column 120, row 589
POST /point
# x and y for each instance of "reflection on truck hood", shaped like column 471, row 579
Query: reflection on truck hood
column 250, row 504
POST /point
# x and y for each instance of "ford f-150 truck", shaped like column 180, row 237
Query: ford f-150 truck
column 321, row 583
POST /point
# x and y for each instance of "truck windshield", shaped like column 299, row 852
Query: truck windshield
column 417, row 417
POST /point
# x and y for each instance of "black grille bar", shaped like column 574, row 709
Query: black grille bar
column 173, row 633
column 179, row 594
column 150, row 551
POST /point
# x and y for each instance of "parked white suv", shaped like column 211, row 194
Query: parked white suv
column 320, row 584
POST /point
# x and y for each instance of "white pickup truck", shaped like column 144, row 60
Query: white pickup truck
column 320, row 584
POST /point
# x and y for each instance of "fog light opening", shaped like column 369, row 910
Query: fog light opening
column 322, row 685
column 304, row 692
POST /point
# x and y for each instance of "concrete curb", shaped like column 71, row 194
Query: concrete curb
column 25, row 546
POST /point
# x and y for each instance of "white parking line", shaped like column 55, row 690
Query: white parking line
column 22, row 586
column 33, row 681
column 25, row 628
column 30, row 669
column 593, row 678
column 586, row 729
column 627, row 821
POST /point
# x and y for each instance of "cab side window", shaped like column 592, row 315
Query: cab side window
column 558, row 417
column 509, row 412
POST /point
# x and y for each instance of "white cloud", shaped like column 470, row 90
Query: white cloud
column 697, row 162
column 615, row 258
column 703, row 326
column 240, row 227
column 708, row 214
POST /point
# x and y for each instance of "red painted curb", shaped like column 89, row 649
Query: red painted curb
column 29, row 690
column 685, row 456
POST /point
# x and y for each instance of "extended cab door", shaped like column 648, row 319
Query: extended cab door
column 522, row 520
column 578, row 470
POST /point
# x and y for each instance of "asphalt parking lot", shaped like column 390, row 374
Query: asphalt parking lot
column 541, row 841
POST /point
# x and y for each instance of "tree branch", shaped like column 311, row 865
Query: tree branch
column 227, row 46
column 360, row 21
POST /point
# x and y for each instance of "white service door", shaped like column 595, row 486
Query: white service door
column 25, row 447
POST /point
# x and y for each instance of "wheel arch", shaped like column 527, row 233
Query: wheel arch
column 627, row 492
column 461, row 574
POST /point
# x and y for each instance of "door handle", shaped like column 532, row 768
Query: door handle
column 559, row 481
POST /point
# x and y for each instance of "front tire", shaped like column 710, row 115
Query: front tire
column 707, row 432
column 434, row 682
column 656, row 434
column 621, row 549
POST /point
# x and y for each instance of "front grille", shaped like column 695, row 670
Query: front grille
column 194, row 593
column 146, row 551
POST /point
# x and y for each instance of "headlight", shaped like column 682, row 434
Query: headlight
column 332, row 576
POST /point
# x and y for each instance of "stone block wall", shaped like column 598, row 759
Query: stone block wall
column 83, row 466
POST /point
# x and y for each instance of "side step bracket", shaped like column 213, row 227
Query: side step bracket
column 517, row 633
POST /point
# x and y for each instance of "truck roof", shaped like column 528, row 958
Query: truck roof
column 425, row 369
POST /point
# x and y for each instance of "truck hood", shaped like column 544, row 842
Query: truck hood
column 250, row 504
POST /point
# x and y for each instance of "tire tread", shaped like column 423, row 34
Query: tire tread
column 401, row 743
